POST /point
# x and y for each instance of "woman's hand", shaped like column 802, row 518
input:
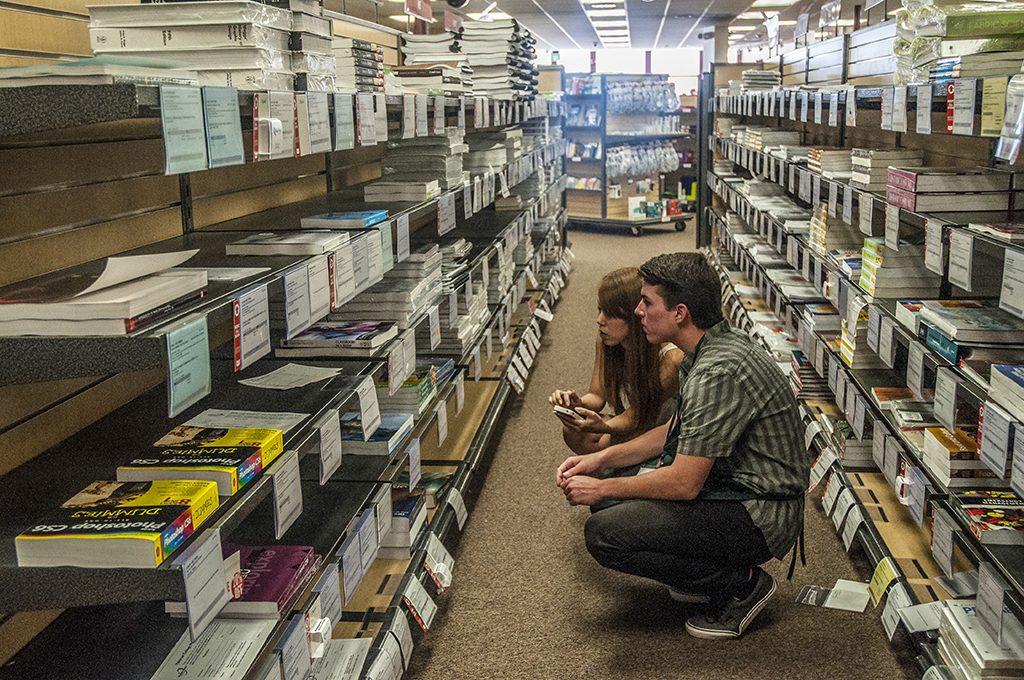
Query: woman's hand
column 589, row 421
column 566, row 398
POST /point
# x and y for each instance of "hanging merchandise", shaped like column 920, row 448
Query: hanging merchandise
column 583, row 116
column 641, row 160
column 642, row 96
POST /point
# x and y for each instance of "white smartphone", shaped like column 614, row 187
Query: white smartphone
column 568, row 411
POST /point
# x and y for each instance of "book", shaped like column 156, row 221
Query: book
column 178, row 14
column 1012, row 232
column 966, row 644
column 972, row 321
column 947, row 179
column 299, row 243
column 166, row 41
column 232, row 458
column 272, row 577
column 947, row 202
column 118, row 524
column 1007, row 388
column 354, row 335
column 994, row 517
column 355, row 218
column 101, row 70
column 392, row 430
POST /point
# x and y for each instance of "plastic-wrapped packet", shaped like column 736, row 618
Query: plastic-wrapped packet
column 249, row 79
column 970, row 20
column 181, row 14
column 1008, row 146
column 310, row 62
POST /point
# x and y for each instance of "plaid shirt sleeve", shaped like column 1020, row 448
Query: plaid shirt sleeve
column 713, row 413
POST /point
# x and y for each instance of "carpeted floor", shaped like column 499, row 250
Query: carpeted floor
column 528, row 602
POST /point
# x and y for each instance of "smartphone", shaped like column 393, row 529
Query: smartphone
column 569, row 412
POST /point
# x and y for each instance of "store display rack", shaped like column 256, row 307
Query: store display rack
column 593, row 205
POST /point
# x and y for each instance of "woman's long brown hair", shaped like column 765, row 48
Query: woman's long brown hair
column 634, row 364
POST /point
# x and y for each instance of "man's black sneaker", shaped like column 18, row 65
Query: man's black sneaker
column 683, row 597
column 734, row 617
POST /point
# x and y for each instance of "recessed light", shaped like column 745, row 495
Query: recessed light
column 610, row 23
column 607, row 13
column 772, row 3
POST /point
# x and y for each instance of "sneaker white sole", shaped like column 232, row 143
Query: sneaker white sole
column 718, row 634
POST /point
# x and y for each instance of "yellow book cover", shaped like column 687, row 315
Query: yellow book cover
column 271, row 442
column 119, row 524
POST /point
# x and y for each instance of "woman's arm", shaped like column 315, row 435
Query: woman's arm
column 668, row 372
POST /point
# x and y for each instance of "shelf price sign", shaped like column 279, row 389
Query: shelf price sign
column 188, row 365
column 206, row 594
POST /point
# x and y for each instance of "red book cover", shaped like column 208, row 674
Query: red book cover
column 902, row 179
column 899, row 197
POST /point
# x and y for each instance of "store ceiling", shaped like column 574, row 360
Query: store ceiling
column 563, row 24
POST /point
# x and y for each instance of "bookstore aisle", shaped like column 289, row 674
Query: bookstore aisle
column 528, row 601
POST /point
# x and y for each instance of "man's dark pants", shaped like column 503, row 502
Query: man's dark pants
column 698, row 546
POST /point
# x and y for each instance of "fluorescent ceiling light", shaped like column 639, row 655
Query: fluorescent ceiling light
column 787, row 23
column 610, row 23
column 613, row 34
column 773, row 3
column 607, row 13
column 605, row 5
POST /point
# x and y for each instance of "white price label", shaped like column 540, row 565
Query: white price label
column 1011, row 295
column 458, row 504
column 924, row 109
column 287, row 492
column 330, row 446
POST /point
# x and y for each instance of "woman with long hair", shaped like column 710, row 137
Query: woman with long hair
column 631, row 376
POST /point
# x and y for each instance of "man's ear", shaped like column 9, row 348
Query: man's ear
column 681, row 314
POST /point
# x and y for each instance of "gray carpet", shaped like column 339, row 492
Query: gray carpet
column 529, row 602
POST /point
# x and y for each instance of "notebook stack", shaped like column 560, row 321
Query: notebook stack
column 925, row 189
column 426, row 159
column 829, row 163
column 312, row 57
column 233, row 43
column 762, row 138
column 953, row 459
column 970, row 652
column 831, row 233
column 754, row 81
column 888, row 273
column 870, row 167
column 359, row 65
column 503, row 58
column 433, row 79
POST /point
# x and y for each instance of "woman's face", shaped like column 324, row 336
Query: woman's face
column 612, row 330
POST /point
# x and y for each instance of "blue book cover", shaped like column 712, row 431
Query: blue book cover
column 355, row 218
column 944, row 346
column 1012, row 372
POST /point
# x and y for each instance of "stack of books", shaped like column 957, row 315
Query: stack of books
column 88, row 529
column 431, row 49
column 108, row 69
column 953, row 459
column 359, row 65
column 413, row 396
column 888, row 273
column 72, row 304
column 996, row 432
column 385, row 439
column 457, row 336
column 974, row 330
column 312, row 57
column 387, row 191
column 994, row 517
column 853, row 344
column 1008, row 388
column 926, row 189
column 503, row 57
column 426, row 159
column 288, row 243
column 1011, row 232
column 340, row 339
column 435, row 79
column 752, row 81
column 234, row 43
column 830, row 163
column 231, row 458
column 804, row 379
column 870, row 167
column 831, row 233
column 493, row 150
column 978, row 65
column 763, row 138
column 871, row 60
column 272, row 576
column 501, row 275
column 400, row 298
column 408, row 515
column 967, row 648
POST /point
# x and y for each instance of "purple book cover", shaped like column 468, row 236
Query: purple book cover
column 270, row 573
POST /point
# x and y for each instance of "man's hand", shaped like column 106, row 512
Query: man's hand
column 583, row 490
column 590, row 421
column 566, row 398
column 589, row 464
